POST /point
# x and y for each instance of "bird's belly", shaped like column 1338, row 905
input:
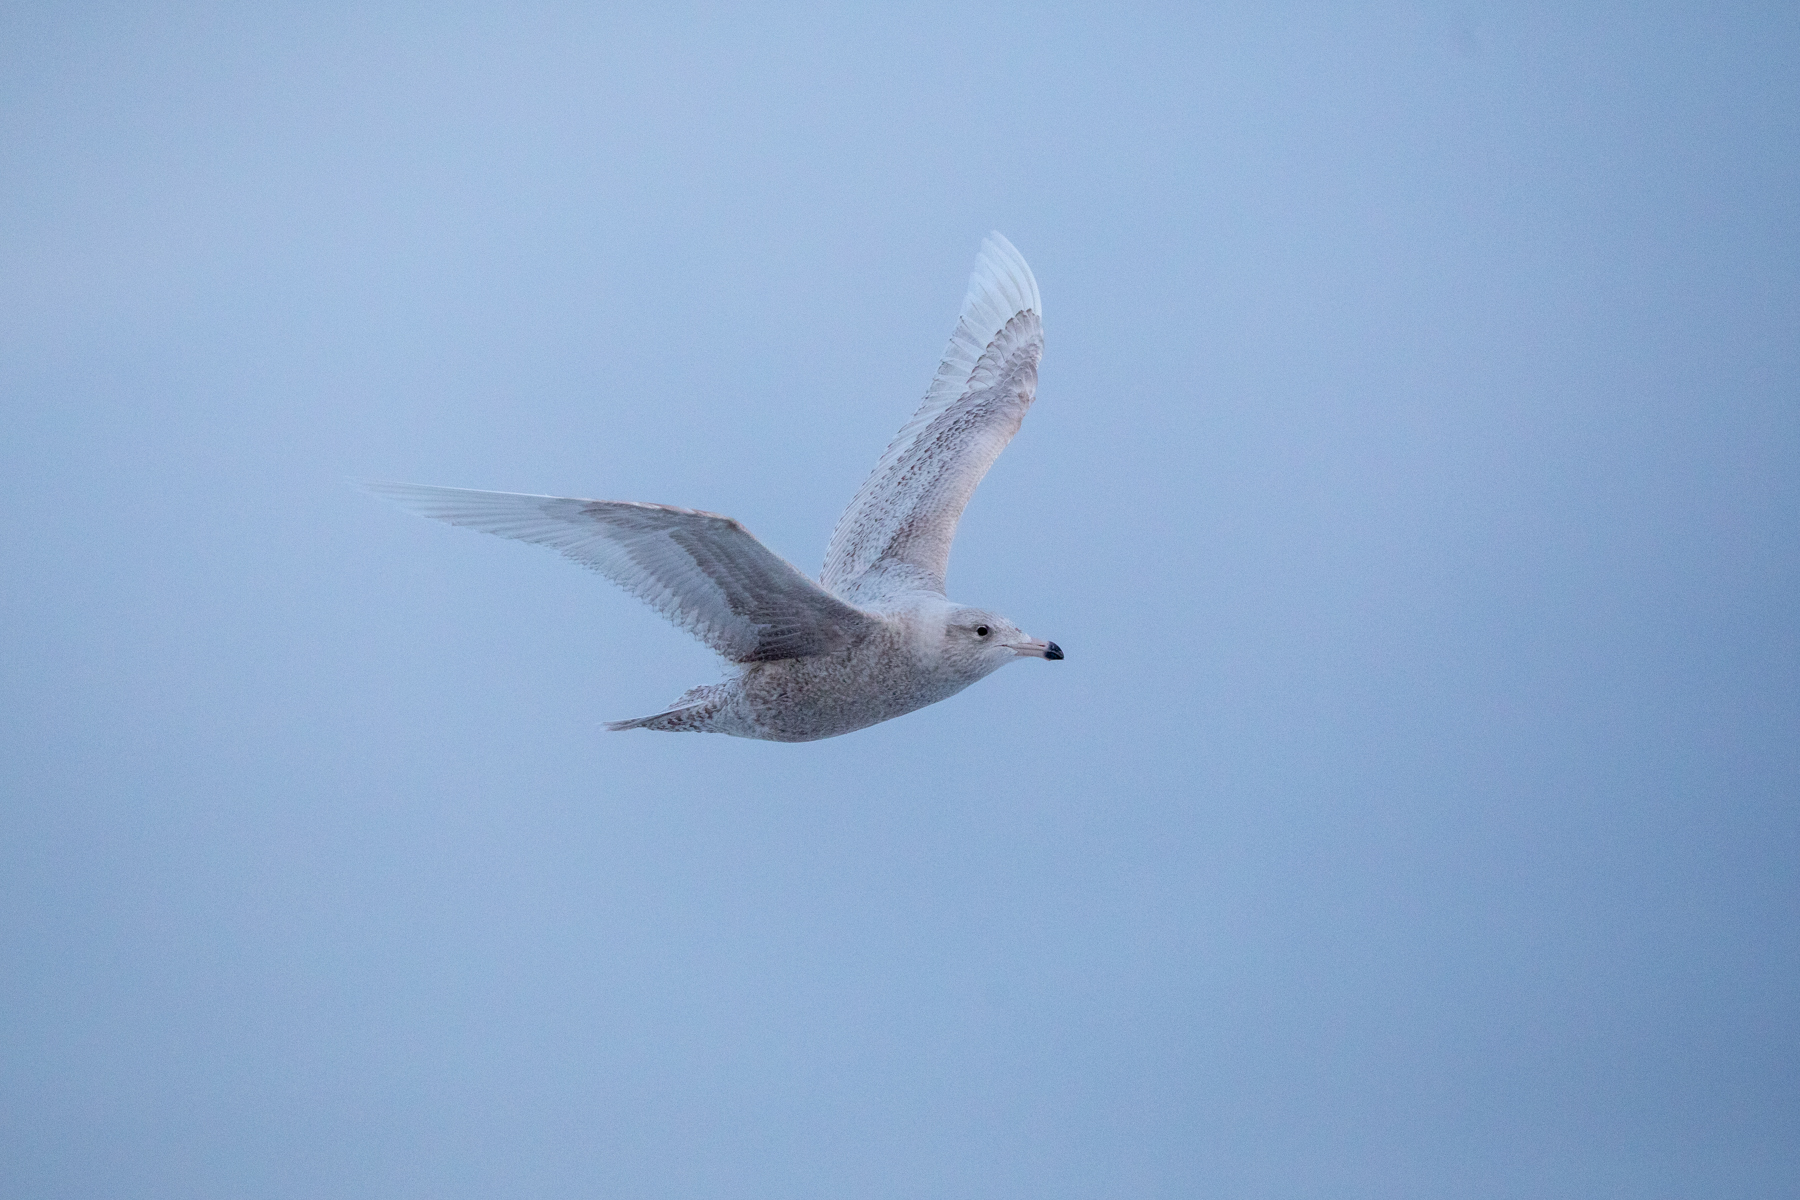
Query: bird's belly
column 801, row 699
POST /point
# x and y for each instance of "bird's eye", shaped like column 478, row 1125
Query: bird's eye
column 982, row 631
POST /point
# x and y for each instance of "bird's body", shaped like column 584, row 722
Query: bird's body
column 875, row 636
column 898, row 665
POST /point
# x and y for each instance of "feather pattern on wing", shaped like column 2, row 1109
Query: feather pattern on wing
column 704, row 572
column 896, row 534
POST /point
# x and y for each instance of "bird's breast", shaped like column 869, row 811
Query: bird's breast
column 880, row 677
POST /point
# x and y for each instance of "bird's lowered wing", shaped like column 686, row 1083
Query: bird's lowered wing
column 896, row 534
column 704, row 572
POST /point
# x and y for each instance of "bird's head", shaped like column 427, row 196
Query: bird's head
column 978, row 642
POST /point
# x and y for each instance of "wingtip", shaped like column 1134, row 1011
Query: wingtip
column 410, row 496
column 438, row 503
column 1000, row 287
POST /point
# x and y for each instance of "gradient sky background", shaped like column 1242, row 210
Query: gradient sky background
column 1414, row 484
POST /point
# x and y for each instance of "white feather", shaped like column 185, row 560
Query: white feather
column 896, row 534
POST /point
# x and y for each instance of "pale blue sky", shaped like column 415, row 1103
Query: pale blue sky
column 1414, row 485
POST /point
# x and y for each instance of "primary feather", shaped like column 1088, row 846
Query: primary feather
column 705, row 572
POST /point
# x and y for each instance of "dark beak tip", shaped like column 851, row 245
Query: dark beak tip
column 1053, row 652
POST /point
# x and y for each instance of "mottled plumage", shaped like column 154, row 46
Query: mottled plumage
column 876, row 636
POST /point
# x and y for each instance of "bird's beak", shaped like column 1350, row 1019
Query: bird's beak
column 1036, row 649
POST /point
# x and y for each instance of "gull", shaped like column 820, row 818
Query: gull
column 875, row 636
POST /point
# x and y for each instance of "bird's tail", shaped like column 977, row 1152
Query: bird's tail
column 692, row 713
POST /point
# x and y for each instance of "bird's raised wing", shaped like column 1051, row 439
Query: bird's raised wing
column 704, row 572
column 896, row 534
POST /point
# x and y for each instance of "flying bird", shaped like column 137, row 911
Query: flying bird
column 875, row 636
